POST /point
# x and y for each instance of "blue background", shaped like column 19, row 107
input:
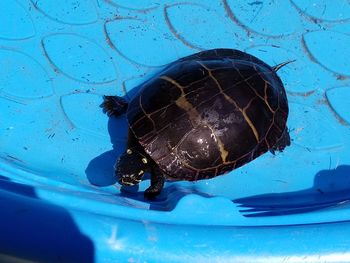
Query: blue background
column 58, row 197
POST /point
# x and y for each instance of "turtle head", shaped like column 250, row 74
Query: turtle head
column 131, row 167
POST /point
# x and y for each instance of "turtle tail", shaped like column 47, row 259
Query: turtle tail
column 281, row 65
column 114, row 105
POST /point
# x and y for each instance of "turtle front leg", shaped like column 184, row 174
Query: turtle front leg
column 157, row 183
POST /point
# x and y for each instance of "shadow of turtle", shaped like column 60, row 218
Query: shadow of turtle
column 36, row 230
column 100, row 170
column 331, row 188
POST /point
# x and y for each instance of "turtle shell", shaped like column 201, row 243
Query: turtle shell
column 209, row 113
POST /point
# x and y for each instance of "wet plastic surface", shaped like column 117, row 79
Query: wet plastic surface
column 58, row 197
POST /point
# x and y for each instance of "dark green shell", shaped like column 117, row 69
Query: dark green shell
column 209, row 113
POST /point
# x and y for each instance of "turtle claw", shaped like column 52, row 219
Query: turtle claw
column 152, row 192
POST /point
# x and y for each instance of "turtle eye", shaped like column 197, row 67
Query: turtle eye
column 128, row 151
column 144, row 160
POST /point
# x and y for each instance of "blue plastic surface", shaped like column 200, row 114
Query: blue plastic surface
column 58, row 197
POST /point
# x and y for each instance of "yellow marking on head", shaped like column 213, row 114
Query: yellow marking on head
column 141, row 172
column 129, row 151
column 144, row 160
column 127, row 183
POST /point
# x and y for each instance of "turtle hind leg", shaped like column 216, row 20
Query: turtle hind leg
column 282, row 142
column 114, row 105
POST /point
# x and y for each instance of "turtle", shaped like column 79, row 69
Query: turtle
column 203, row 115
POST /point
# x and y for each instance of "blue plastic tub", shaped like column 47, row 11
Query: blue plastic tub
column 59, row 201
